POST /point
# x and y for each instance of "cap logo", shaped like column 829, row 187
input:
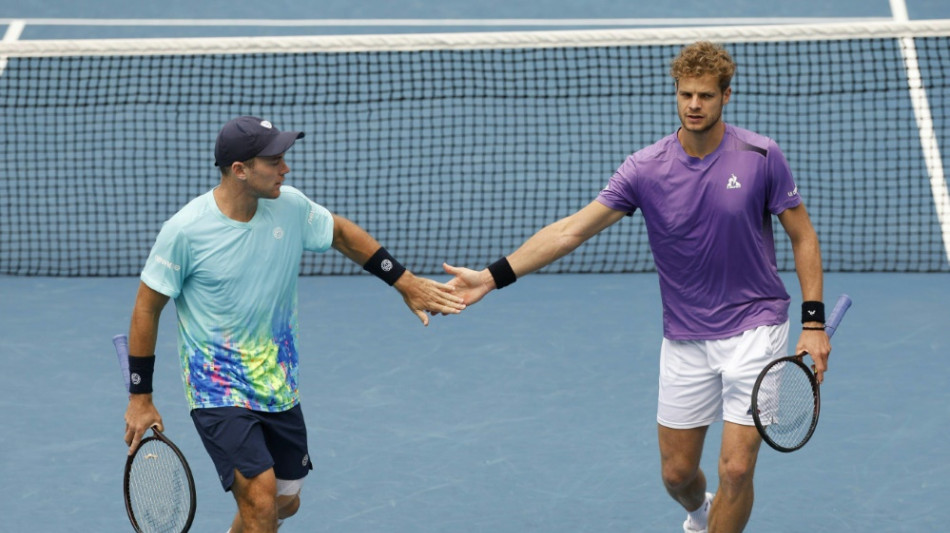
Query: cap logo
column 266, row 124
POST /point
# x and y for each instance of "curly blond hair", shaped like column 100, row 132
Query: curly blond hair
column 703, row 58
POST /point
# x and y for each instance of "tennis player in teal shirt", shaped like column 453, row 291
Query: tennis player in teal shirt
column 230, row 259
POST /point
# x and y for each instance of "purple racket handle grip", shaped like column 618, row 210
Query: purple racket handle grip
column 121, row 343
column 841, row 307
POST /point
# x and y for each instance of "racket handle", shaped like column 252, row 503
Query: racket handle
column 121, row 343
column 844, row 302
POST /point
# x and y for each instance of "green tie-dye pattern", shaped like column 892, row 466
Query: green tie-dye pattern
column 258, row 374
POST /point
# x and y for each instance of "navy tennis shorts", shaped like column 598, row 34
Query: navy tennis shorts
column 254, row 441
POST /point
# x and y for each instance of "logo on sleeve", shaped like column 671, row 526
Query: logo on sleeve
column 793, row 192
column 166, row 263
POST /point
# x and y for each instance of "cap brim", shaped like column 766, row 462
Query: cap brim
column 281, row 143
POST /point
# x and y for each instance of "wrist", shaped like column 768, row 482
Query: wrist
column 141, row 369
column 144, row 398
column 501, row 273
column 403, row 280
column 813, row 311
column 486, row 279
column 384, row 266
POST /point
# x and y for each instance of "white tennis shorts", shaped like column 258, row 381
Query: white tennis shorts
column 702, row 382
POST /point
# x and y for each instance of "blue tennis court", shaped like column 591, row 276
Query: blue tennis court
column 507, row 418
column 532, row 411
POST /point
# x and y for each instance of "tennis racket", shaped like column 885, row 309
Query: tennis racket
column 158, row 487
column 786, row 398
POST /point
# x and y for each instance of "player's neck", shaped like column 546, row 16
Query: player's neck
column 234, row 203
column 699, row 144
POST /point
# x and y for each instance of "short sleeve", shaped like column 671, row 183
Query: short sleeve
column 318, row 221
column 167, row 263
column 619, row 192
column 783, row 193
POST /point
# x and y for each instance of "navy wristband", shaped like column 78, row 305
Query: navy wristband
column 384, row 266
column 140, row 374
column 813, row 312
column 502, row 273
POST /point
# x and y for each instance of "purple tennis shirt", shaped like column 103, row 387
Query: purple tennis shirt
column 709, row 223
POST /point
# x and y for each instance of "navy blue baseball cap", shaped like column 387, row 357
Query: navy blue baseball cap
column 247, row 137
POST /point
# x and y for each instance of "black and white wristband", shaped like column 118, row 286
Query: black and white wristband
column 140, row 374
column 813, row 311
column 502, row 273
column 384, row 266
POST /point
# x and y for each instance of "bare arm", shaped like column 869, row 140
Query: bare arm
column 549, row 244
column 141, row 413
column 420, row 294
column 807, row 254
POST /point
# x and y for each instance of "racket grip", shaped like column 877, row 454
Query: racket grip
column 121, row 343
column 842, row 305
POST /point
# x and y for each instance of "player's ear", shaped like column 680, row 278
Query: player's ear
column 239, row 170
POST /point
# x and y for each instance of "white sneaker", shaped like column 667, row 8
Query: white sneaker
column 688, row 526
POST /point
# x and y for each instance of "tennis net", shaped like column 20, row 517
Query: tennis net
column 457, row 147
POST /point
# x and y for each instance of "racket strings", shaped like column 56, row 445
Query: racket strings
column 786, row 404
column 159, row 494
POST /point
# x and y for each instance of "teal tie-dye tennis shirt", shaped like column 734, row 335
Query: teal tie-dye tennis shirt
column 235, row 290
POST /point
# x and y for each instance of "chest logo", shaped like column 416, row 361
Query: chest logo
column 733, row 182
column 278, row 233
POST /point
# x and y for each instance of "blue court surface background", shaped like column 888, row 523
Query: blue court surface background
column 533, row 411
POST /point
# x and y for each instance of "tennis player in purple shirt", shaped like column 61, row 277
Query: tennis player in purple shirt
column 707, row 194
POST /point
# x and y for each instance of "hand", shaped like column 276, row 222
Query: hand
column 470, row 285
column 140, row 415
column 423, row 294
column 816, row 344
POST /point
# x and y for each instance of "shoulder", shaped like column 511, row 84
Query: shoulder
column 662, row 149
column 293, row 197
column 193, row 212
column 647, row 158
column 298, row 202
column 292, row 193
column 741, row 139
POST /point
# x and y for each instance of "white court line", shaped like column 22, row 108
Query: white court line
column 14, row 30
column 899, row 11
column 925, row 126
column 613, row 22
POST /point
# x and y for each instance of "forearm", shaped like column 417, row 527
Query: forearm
column 544, row 247
column 558, row 239
column 420, row 294
column 806, row 251
column 808, row 267
column 813, row 340
column 143, row 334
